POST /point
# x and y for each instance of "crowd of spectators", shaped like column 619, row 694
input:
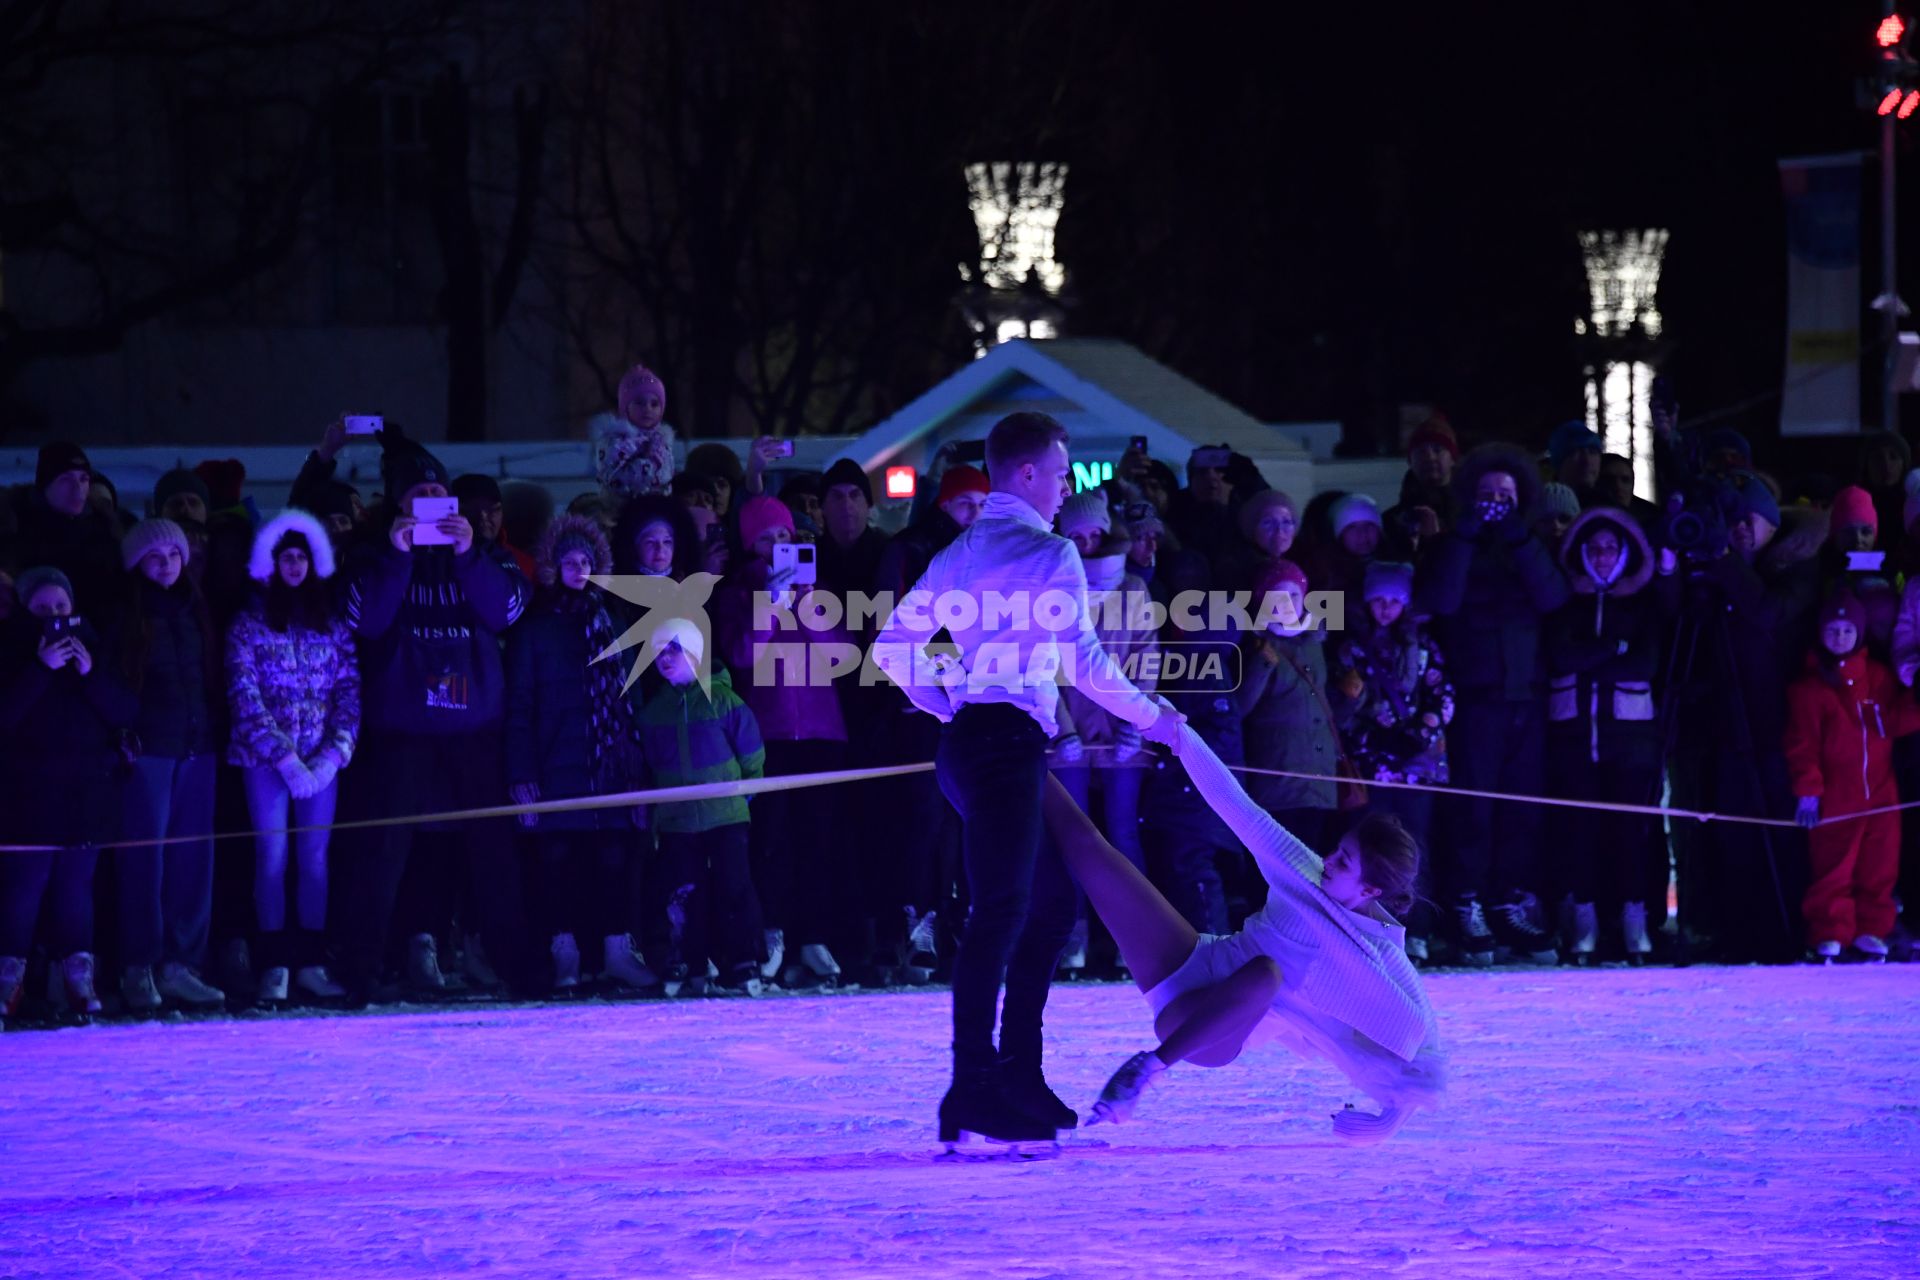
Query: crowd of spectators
column 1518, row 625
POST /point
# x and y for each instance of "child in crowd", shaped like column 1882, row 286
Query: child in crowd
column 1842, row 717
column 692, row 735
column 294, row 688
column 64, row 706
column 1286, row 722
column 1393, row 701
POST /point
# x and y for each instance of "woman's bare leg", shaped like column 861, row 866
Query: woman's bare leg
column 1154, row 939
column 1209, row 1026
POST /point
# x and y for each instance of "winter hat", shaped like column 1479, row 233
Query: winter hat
column 404, row 464
column 759, row 514
column 572, row 533
column 1355, row 508
column 1389, row 579
column 288, row 525
column 1435, row 430
column 1569, row 438
column 684, row 633
column 56, row 460
column 224, row 478
column 179, row 480
column 715, row 459
column 31, row 580
column 637, row 382
column 474, row 487
column 1756, row 499
column 147, row 535
column 1854, row 506
column 847, row 471
column 1255, row 509
column 1557, row 499
column 1279, row 573
column 1084, row 510
column 1727, row 438
column 961, row 479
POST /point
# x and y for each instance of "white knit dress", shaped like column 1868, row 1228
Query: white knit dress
column 1349, row 994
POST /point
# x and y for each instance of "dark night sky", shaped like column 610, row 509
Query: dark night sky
column 1333, row 213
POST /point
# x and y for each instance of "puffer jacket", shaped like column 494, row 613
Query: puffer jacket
column 1842, row 718
column 1285, row 722
column 1607, row 645
column 58, row 784
column 1394, row 702
column 177, row 667
column 549, row 724
column 291, row 692
column 788, row 710
column 689, row 737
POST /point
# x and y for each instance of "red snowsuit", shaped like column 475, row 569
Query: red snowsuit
column 1839, row 744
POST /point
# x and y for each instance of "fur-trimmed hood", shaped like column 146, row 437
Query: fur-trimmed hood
column 1635, row 574
column 1498, row 457
column 292, row 520
column 1803, row 532
column 571, row 528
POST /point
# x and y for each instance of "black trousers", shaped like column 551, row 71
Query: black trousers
column 804, row 864
column 1597, row 856
column 993, row 768
column 1186, row 845
column 713, row 912
column 61, row 879
column 1491, row 845
column 580, row 882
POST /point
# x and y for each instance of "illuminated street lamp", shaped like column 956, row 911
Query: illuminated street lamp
column 1620, row 333
column 1015, row 288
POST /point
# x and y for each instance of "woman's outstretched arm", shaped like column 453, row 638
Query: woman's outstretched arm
column 1277, row 850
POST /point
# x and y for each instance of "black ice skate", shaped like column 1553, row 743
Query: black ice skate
column 1474, row 942
column 1514, row 928
column 976, row 1106
column 1027, row 1089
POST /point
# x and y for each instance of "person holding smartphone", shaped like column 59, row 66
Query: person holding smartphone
column 427, row 606
column 64, row 708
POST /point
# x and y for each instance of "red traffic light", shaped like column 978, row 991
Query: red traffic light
column 1908, row 104
column 1891, row 29
column 1889, row 103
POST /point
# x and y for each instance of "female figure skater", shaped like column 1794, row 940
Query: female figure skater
column 1322, row 966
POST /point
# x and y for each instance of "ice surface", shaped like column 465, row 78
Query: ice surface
column 1697, row 1123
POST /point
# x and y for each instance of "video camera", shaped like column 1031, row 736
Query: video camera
column 1697, row 520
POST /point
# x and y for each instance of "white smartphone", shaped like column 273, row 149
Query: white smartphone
column 783, row 448
column 364, row 424
column 1866, row 561
column 430, row 512
column 797, row 556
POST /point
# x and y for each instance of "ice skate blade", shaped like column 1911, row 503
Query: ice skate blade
column 976, row 1146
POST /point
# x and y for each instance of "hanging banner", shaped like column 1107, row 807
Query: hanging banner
column 1821, row 392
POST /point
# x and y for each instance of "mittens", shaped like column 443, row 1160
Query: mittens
column 1126, row 742
column 298, row 777
column 1069, row 749
column 324, row 770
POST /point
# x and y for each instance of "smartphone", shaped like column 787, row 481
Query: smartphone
column 1212, row 456
column 1138, row 444
column 799, row 557
column 59, row 626
column 364, row 424
column 783, row 448
column 430, row 512
column 1866, row 561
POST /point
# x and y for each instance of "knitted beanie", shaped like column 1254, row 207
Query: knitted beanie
column 1557, row 499
column 43, row 575
column 847, row 471
column 147, row 535
column 1756, row 499
column 637, row 382
column 684, row 633
column 1355, row 508
column 1277, row 574
column 1570, row 437
column 759, row 514
column 1435, row 430
column 960, row 479
column 1084, row 510
column 1854, row 506
column 179, row 480
column 56, row 459
column 1255, row 509
column 1388, row 579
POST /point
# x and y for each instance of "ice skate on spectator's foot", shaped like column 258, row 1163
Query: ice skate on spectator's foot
column 1122, row 1094
column 741, row 980
column 1583, row 933
column 13, row 979
column 137, row 992
column 977, row 1106
column 1025, row 1085
column 1633, row 930
column 1513, row 927
column 76, row 973
column 1827, row 952
column 623, row 966
column 1363, row 1129
column 314, row 982
column 566, row 962
column 923, row 948
column 475, row 969
column 1872, row 950
column 1417, row 950
column 423, row 963
column 185, row 987
column 1475, row 940
column 815, row 967
column 1073, row 960
column 776, row 954
column 272, row 988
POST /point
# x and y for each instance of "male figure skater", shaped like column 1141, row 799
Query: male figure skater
column 1013, row 597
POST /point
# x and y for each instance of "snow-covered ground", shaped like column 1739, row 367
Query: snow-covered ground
column 1698, row 1123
